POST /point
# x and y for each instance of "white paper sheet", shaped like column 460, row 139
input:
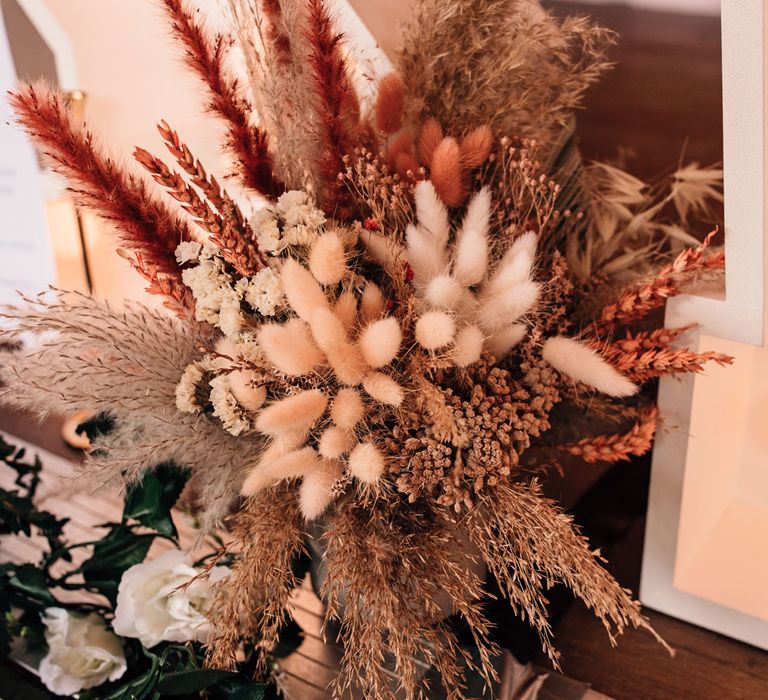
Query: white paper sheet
column 26, row 257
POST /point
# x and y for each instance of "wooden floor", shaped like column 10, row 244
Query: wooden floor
column 662, row 99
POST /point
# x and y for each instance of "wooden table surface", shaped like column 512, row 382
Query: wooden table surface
column 664, row 97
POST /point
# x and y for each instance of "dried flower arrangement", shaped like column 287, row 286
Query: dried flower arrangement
column 376, row 335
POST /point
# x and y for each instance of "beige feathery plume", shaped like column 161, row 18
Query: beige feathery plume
column 582, row 364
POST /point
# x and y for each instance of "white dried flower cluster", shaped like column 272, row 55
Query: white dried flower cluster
column 292, row 221
column 186, row 389
column 262, row 292
column 188, row 251
column 233, row 417
column 219, row 295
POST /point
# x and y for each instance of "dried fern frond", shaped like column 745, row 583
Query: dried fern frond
column 141, row 223
column 510, row 65
column 205, row 56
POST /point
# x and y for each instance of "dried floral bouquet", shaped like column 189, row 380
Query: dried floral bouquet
column 421, row 301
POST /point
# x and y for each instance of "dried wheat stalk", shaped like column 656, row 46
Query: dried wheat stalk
column 619, row 447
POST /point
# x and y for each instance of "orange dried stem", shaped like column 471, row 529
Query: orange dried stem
column 619, row 447
column 638, row 302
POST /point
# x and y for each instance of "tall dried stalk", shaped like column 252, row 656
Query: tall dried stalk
column 252, row 602
column 271, row 35
column 230, row 233
column 248, row 143
column 142, row 224
column 407, row 566
column 338, row 105
column 641, row 299
column 621, row 446
column 528, row 544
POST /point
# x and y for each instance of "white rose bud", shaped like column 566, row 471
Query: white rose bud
column 82, row 652
column 152, row 608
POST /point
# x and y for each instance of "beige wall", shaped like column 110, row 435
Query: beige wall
column 133, row 77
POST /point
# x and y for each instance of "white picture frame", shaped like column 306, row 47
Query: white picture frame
column 705, row 559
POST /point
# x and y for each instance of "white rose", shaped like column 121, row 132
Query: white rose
column 151, row 608
column 82, row 652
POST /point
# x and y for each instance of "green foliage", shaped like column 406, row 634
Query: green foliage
column 168, row 670
column 150, row 501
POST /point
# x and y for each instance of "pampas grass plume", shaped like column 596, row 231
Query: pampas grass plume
column 431, row 213
column 302, row 291
column 446, row 172
column 435, row 330
column 501, row 308
column 247, row 394
column 468, row 346
column 500, row 344
column 334, row 442
column 383, row 388
column 389, row 103
column 287, row 466
column 372, row 303
column 346, row 309
column 582, row 364
column 444, row 292
column 366, row 462
column 316, row 490
column 327, row 259
column 289, row 347
column 431, row 135
column 380, row 342
column 472, row 240
column 347, row 409
column 476, row 146
column 293, row 412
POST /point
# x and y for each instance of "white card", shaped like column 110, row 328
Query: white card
column 26, row 256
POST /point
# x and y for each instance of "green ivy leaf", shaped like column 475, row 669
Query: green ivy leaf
column 118, row 551
column 141, row 688
column 192, row 681
column 150, row 501
column 238, row 688
column 32, row 582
